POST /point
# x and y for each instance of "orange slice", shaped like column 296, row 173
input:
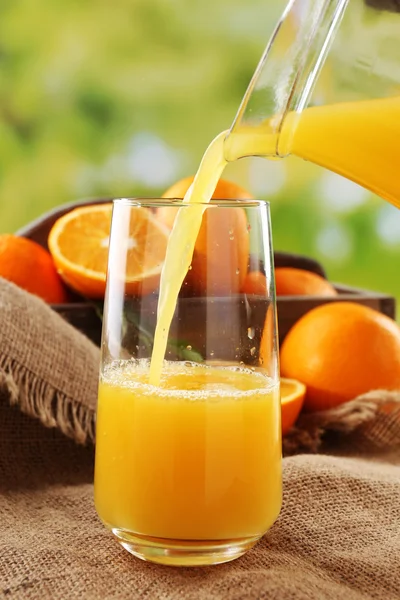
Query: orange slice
column 292, row 398
column 79, row 241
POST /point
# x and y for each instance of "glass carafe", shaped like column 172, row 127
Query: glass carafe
column 327, row 89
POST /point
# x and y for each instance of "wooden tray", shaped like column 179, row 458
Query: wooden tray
column 86, row 317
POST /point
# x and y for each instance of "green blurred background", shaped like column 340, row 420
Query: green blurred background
column 122, row 98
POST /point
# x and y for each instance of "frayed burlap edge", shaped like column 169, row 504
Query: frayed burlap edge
column 40, row 400
column 374, row 417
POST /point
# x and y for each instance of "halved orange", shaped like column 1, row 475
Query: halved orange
column 292, row 399
column 79, row 241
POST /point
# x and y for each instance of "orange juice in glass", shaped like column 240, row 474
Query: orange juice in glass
column 188, row 470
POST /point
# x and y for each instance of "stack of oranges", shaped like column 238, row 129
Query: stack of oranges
column 78, row 244
column 332, row 354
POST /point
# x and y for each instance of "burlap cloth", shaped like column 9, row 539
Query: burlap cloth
column 338, row 536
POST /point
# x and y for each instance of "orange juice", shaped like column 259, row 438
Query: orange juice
column 356, row 139
column 197, row 458
column 189, row 455
column 181, row 246
column 359, row 140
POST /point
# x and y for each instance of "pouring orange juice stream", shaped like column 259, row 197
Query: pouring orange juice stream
column 354, row 139
column 358, row 140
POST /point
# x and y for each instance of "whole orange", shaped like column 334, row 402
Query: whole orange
column 221, row 255
column 31, row 267
column 255, row 284
column 340, row 350
column 290, row 281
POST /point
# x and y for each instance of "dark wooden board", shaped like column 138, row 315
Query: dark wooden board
column 85, row 316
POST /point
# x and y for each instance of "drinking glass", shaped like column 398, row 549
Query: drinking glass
column 188, row 471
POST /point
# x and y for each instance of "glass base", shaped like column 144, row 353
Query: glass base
column 181, row 553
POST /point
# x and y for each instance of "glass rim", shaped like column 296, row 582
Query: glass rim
column 179, row 202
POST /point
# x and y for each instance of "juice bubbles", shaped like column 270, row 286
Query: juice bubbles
column 197, row 458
